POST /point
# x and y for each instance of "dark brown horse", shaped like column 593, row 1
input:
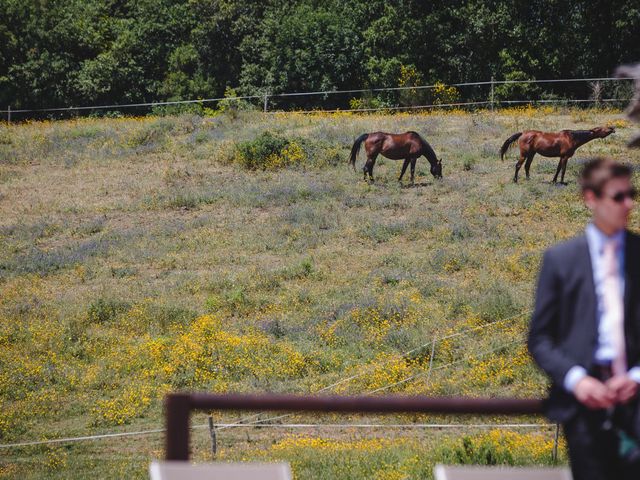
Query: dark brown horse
column 561, row 144
column 395, row 146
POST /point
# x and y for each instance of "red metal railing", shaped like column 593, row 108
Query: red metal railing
column 178, row 407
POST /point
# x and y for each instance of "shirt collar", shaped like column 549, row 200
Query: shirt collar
column 597, row 238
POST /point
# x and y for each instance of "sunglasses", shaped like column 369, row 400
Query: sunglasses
column 620, row 197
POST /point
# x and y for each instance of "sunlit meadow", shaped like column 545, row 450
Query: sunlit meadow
column 241, row 253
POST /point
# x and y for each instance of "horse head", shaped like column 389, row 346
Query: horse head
column 602, row 132
column 436, row 169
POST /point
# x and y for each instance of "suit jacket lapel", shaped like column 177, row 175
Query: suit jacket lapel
column 586, row 272
column 630, row 261
column 630, row 289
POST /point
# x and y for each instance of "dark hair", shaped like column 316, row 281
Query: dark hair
column 599, row 171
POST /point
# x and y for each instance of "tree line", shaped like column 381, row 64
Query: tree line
column 57, row 53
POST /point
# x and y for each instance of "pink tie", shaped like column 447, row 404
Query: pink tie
column 613, row 304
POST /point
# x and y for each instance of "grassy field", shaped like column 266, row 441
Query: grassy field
column 140, row 256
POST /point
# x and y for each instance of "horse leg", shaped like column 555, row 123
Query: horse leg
column 404, row 168
column 518, row 165
column 555, row 177
column 527, row 165
column 413, row 168
column 564, row 161
column 366, row 166
column 371, row 161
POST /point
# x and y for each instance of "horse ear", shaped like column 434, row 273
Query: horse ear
column 439, row 161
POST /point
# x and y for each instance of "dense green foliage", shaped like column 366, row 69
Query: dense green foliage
column 81, row 52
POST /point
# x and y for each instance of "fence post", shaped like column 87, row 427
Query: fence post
column 265, row 101
column 492, row 93
column 177, row 408
column 212, row 433
column 9, row 114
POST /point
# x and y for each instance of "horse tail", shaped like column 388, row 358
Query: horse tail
column 356, row 148
column 506, row 144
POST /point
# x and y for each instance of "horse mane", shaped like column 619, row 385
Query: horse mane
column 580, row 135
column 427, row 151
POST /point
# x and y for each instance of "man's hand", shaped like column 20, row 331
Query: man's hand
column 594, row 394
column 623, row 387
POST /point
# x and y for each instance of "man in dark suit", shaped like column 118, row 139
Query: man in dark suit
column 585, row 328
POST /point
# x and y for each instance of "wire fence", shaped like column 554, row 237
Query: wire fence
column 254, row 421
column 489, row 94
column 293, row 426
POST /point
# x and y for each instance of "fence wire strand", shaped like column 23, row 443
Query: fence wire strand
column 266, row 96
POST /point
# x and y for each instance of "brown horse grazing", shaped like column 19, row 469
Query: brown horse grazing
column 395, row 146
column 561, row 144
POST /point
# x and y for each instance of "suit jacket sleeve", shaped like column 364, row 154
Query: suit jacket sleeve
column 546, row 328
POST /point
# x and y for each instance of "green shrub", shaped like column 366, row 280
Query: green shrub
column 269, row 152
column 499, row 447
column 103, row 311
column 304, row 269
